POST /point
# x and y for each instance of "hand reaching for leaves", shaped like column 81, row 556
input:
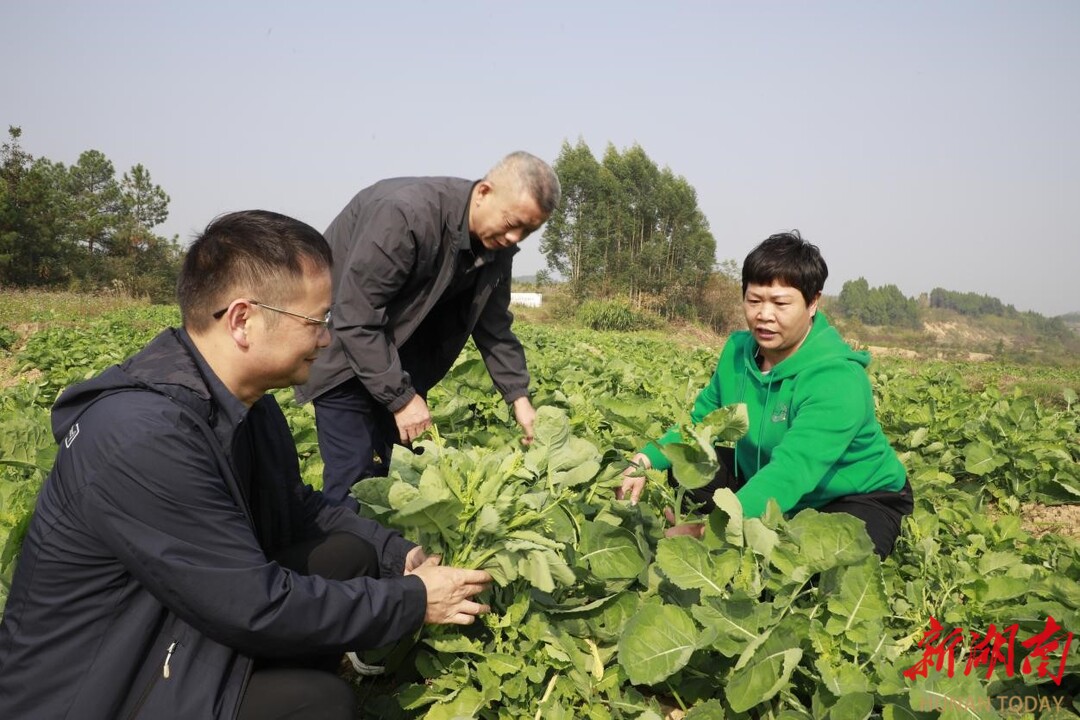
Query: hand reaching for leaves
column 634, row 478
column 449, row 592
column 692, row 529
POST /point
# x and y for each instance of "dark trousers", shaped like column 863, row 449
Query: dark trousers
column 356, row 436
column 308, row 687
column 881, row 511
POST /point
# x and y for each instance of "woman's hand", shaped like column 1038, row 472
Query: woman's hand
column 692, row 529
column 634, row 478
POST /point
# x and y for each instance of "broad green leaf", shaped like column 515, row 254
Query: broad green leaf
column 995, row 560
column 606, row 622
column 841, row 677
column 761, row 678
column 535, row 568
column 491, row 684
column 466, row 704
column 727, row 424
column 918, row 437
column 689, row 564
column 692, row 467
column 960, row 697
column 1065, row 590
column 610, row 552
column 504, row 664
column 856, row 706
column 829, row 539
column 656, row 642
column 898, row 712
column 488, row 521
column 997, row 588
column 759, row 538
column 708, row 710
column 727, row 505
column 456, row 644
column 732, row 625
column 550, row 429
column 980, row 458
column 859, row 606
column 582, row 473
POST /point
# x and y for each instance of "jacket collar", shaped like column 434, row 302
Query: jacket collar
column 173, row 366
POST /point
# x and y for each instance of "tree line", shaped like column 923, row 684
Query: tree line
column 887, row 306
column 80, row 227
column 884, row 305
column 971, row 304
column 628, row 228
column 626, row 231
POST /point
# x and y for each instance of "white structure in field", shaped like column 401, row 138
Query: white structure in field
column 526, row 299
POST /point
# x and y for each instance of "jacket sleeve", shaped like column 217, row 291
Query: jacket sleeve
column 498, row 346
column 707, row 401
column 829, row 408
column 382, row 253
column 163, row 508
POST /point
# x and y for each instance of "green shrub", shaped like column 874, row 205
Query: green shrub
column 614, row 315
column 8, row 338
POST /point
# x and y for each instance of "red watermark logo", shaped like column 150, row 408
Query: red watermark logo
column 992, row 649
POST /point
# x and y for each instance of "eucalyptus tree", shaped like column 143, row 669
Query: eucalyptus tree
column 627, row 227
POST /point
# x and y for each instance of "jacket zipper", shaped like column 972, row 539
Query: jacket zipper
column 168, row 657
column 165, row 673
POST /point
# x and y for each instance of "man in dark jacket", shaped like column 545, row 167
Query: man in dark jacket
column 175, row 566
column 423, row 263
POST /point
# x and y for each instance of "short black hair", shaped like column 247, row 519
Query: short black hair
column 791, row 260
column 253, row 251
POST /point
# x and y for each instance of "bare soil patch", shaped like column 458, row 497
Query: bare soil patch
column 690, row 335
column 878, row 351
column 1059, row 519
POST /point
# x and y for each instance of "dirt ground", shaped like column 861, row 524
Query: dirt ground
column 1061, row 519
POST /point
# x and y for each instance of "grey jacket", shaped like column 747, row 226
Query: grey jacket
column 395, row 251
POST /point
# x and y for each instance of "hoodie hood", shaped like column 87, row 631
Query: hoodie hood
column 823, row 345
column 169, row 365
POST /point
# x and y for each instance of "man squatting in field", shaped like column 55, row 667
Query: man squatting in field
column 814, row 440
column 422, row 264
column 175, row 566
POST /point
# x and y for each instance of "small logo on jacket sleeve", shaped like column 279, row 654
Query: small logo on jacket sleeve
column 72, row 434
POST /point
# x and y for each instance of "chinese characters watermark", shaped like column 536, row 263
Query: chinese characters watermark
column 992, row 649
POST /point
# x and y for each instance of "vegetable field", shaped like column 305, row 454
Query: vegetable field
column 597, row 615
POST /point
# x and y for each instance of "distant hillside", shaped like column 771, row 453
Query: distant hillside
column 1023, row 339
column 942, row 324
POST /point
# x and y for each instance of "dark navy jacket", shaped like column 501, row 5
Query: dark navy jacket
column 143, row 588
column 396, row 248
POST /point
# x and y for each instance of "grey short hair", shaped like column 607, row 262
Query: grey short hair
column 533, row 175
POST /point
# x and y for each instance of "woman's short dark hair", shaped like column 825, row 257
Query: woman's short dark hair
column 791, row 260
column 254, row 252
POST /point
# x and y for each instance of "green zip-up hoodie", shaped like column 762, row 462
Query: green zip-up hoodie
column 813, row 434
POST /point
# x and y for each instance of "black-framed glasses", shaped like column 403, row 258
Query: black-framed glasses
column 325, row 322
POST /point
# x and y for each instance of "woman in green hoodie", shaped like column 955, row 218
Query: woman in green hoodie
column 814, row 440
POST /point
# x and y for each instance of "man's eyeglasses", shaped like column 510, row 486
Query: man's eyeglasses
column 325, row 321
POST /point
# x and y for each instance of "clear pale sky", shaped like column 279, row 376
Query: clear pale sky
column 925, row 144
